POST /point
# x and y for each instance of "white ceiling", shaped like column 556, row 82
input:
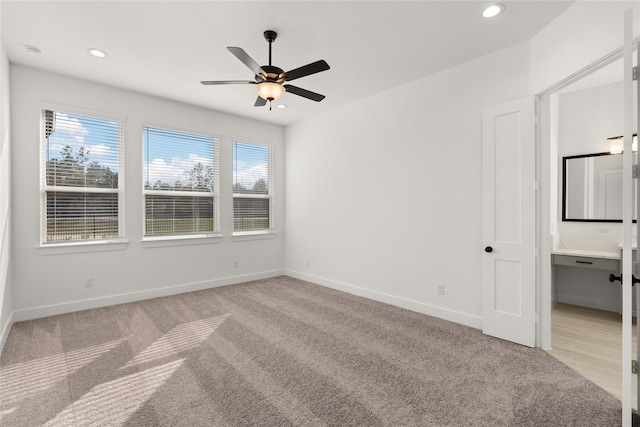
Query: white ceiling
column 166, row 48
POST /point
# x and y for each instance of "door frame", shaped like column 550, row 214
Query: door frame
column 546, row 196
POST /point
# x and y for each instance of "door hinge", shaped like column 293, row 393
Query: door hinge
column 634, row 366
column 635, row 73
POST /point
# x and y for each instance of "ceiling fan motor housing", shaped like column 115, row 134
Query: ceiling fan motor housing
column 274, row 75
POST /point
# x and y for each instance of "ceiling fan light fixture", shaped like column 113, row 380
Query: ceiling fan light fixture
column 270, row 91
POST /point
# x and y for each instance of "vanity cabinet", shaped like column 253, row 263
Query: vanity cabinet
column 586, row 262
column 581, row 277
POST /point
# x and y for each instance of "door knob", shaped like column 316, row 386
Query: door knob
column 488, row 249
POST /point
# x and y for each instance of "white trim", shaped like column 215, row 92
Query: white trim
column 271, row 179
column 5, row 332
column 44, row 105
column 214, row 194
column 180, row 240
column 240, row 236
column 76, row 247
column 177, row 128
column 417, row 306
column 543, row 171
column 68, row 307
column 44, row 188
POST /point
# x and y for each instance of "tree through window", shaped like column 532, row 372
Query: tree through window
column 252, row 187
column 181, row 183
column 81, row 186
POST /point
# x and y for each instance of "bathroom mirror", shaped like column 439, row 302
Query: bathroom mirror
column 592, row 188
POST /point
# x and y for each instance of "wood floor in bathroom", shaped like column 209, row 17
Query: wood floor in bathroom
column 590, row 341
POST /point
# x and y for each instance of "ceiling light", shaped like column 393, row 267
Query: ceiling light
column 493, row 10
column 270, row 91
column 34, row 50
column 97, row 53
column 282, row 106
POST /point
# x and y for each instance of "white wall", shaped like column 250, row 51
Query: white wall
column 384, row 195
column 6, row 297
column 46, row 283
column 586, row 119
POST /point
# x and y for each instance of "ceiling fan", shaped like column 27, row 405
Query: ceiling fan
column 269, row 79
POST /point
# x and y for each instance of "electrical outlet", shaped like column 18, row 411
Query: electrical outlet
column 88, row 282
column 440, row 288
column 236, row 264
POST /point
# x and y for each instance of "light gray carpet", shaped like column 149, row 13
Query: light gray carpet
column 281, row 352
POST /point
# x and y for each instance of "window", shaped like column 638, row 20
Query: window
column 81, row 178
column 181, row 183
column 252, row 187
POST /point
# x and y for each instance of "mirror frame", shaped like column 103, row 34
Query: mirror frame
column 564, row 189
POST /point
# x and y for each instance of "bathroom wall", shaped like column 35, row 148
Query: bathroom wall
column 587, row 117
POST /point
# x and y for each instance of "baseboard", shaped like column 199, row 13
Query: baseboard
column 420, row 307
column 585, row 301
column 68, row 307
column 5, row 332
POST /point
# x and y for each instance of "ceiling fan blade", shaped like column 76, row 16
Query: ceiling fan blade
column 306, row 70
column 247, row 60
column 227, row 82
column 260, row 102
column 304, row 93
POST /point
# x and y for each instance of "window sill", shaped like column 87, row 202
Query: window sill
column 164, row 241
column 240, row 236
column 81, row 247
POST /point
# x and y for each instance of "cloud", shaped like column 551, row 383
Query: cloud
column 68, row 131
column 174, row 170
column 247, row 174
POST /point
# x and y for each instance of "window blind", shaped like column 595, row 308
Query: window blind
column 252, row 186
column 80, row 177
column 181, row 183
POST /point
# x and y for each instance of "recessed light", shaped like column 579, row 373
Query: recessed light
column 97, row 53
column 34, row 50
column 282, row 106
column 493, row 10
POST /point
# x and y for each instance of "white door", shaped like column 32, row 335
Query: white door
column 508, row 221
column 627, row 226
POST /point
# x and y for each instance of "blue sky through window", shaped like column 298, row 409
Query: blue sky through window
column 168, row 155
column 98, row 136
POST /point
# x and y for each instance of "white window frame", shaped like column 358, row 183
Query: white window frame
column 191, row 238
column 262, row 232
column 114, row 243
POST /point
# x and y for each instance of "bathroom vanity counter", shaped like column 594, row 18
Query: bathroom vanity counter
column 601, row 260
